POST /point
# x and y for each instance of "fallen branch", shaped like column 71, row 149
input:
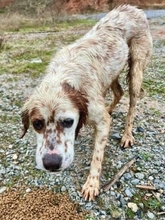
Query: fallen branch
column 146, row 187
column 110, row 183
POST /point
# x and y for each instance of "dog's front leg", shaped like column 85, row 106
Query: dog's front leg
column 91, row 187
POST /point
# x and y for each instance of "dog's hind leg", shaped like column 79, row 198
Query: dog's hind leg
column 117, row 92
column 140, row 52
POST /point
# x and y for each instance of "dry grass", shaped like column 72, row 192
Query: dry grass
column 13, row 22
column 16, row 21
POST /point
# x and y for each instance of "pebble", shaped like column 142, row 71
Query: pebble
column 3, row 189
column 135, row 181
column 10, row 146
column 63, row 189
column 139, row 176
column 163, row 208
column 128, row 193
column 28, row 190
column 140, row 129
column 15, row 156
column 150, row 178
column 150, row 215
column 116, row 136
column 2, row 170
column 141, row 205
column 127, row 176
column 132, row 206
column 122, row 201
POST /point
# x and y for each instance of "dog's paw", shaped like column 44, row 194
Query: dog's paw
column 90, row 188
column 127, row 140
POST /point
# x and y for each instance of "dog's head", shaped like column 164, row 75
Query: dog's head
column 56, row 117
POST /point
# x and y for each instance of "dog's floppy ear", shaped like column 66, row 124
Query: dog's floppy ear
column 25, row 121
column 79, row 100
column 83, row 111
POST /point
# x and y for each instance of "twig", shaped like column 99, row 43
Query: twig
column 146, row 187
column 156, row 196
column 110, row 183
column 161, row 213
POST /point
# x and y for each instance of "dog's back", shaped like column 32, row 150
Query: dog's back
column 126, row 18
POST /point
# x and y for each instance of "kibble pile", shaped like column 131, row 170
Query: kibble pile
column 38, row 204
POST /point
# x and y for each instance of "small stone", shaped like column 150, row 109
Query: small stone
column 139, row 176
column 10, row 146
column 28, row 190
column 127, row 176
column 116, row 136
column 141, row 205
column 88, row 206
column 139, row 168
column 135, row 181
column 15, row 156
column 3, row 189
column 150, row 215
column 151, row 178
column 140, row 129
column 162, row 208
column 128, row 193
column 63, row 189
column 132, row 206
column 112, row 193
column 119, row 164
column 139, row 213
column 122, row 201
column 2, row 170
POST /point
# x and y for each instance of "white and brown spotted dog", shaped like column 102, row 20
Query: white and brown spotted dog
column 73, row 91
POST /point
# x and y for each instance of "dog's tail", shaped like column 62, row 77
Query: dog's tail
column 140, row 51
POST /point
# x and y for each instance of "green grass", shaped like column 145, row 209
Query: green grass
column 129, row 213
column 154, row 87
column 149, row 203
column 17, row 53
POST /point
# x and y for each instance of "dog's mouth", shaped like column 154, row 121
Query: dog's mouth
column 54, row 171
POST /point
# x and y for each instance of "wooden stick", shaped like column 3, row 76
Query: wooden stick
column 110, row 183
column 156, row 196
column 161, row 213
column 146, row 187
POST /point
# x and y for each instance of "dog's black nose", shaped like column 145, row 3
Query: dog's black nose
column 52, row 162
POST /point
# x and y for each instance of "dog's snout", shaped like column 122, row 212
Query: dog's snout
column 52, row 162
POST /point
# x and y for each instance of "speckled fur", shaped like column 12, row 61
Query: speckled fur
column 89, row 67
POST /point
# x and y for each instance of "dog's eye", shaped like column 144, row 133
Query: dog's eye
column 67, row 123
column 38, row 124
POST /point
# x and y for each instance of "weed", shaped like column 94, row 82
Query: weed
column 149, row 203
column 129, row 213
column 145, row 156
column 114, row 211
column 152, row 204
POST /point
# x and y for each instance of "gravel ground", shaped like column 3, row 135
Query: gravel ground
column 124, row 200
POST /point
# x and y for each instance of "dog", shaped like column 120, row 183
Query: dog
column 72, row 93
